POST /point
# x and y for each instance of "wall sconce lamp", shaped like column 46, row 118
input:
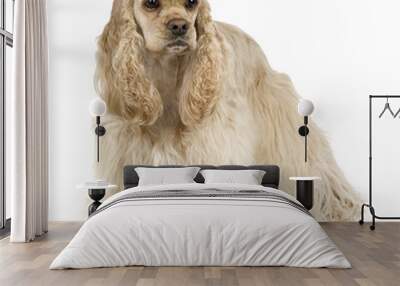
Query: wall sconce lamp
column 97, row 109
column 305, row 109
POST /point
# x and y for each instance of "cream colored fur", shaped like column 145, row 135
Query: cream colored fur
column 218, row 104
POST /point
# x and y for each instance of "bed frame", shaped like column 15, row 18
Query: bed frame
column 271, row 178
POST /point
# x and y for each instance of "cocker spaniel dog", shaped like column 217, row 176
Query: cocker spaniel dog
column 184, row 89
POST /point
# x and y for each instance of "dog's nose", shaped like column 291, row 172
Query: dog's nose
column 178, row 27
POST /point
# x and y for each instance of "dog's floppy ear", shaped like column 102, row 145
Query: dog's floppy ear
column 120, row 74
column 200, row 90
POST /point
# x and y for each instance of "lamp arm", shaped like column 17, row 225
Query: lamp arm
column 306, row 148
column 99, row 131
column 98, row 138
column 304, row 131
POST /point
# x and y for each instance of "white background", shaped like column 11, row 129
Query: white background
column 336, row 52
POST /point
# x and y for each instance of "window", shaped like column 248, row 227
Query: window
column 6, row 44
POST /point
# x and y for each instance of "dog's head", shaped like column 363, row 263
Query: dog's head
column 168, row 25
column 160, row 26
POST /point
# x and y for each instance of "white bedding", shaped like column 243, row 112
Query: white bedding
column 191, row 231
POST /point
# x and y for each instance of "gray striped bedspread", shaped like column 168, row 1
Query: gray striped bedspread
column 201, row 225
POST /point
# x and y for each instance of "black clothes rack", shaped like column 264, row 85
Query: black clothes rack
column 370, row 204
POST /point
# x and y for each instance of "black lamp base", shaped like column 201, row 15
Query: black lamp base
column 100, row 131
column 304, row 131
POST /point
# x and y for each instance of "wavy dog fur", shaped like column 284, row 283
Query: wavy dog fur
column 219, row 104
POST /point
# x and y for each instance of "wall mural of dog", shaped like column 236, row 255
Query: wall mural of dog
column 184, row 89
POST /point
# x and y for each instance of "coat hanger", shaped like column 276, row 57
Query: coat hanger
column 387, row 107
column 397, row 113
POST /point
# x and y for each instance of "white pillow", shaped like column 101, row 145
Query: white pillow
column 166, row 176
column 246, row 177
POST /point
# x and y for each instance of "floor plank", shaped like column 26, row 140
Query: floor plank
column 375, row 257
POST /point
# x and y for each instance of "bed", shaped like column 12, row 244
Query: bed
column 199, row 224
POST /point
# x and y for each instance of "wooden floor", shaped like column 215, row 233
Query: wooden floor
column 375, row 257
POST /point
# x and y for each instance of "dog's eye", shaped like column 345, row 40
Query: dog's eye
column 152, row 4
column 190, row 4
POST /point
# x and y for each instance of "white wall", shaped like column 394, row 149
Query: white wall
column 336, row 52
column 73, row 28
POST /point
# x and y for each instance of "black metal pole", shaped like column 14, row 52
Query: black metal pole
column 370, row 150
column 305, row 151
column 305, row 138
column 98, row 146
column 98, row 138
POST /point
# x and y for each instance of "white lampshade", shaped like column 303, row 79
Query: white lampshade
column 306, row 107
column 97, row 107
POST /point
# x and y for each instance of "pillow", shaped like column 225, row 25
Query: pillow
column 166, row 176
column 246, row 177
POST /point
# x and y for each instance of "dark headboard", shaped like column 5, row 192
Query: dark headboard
column 271, row 178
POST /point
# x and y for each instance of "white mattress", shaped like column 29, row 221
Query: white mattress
column 194, row 231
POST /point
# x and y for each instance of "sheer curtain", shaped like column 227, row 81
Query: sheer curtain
column 28, row 120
